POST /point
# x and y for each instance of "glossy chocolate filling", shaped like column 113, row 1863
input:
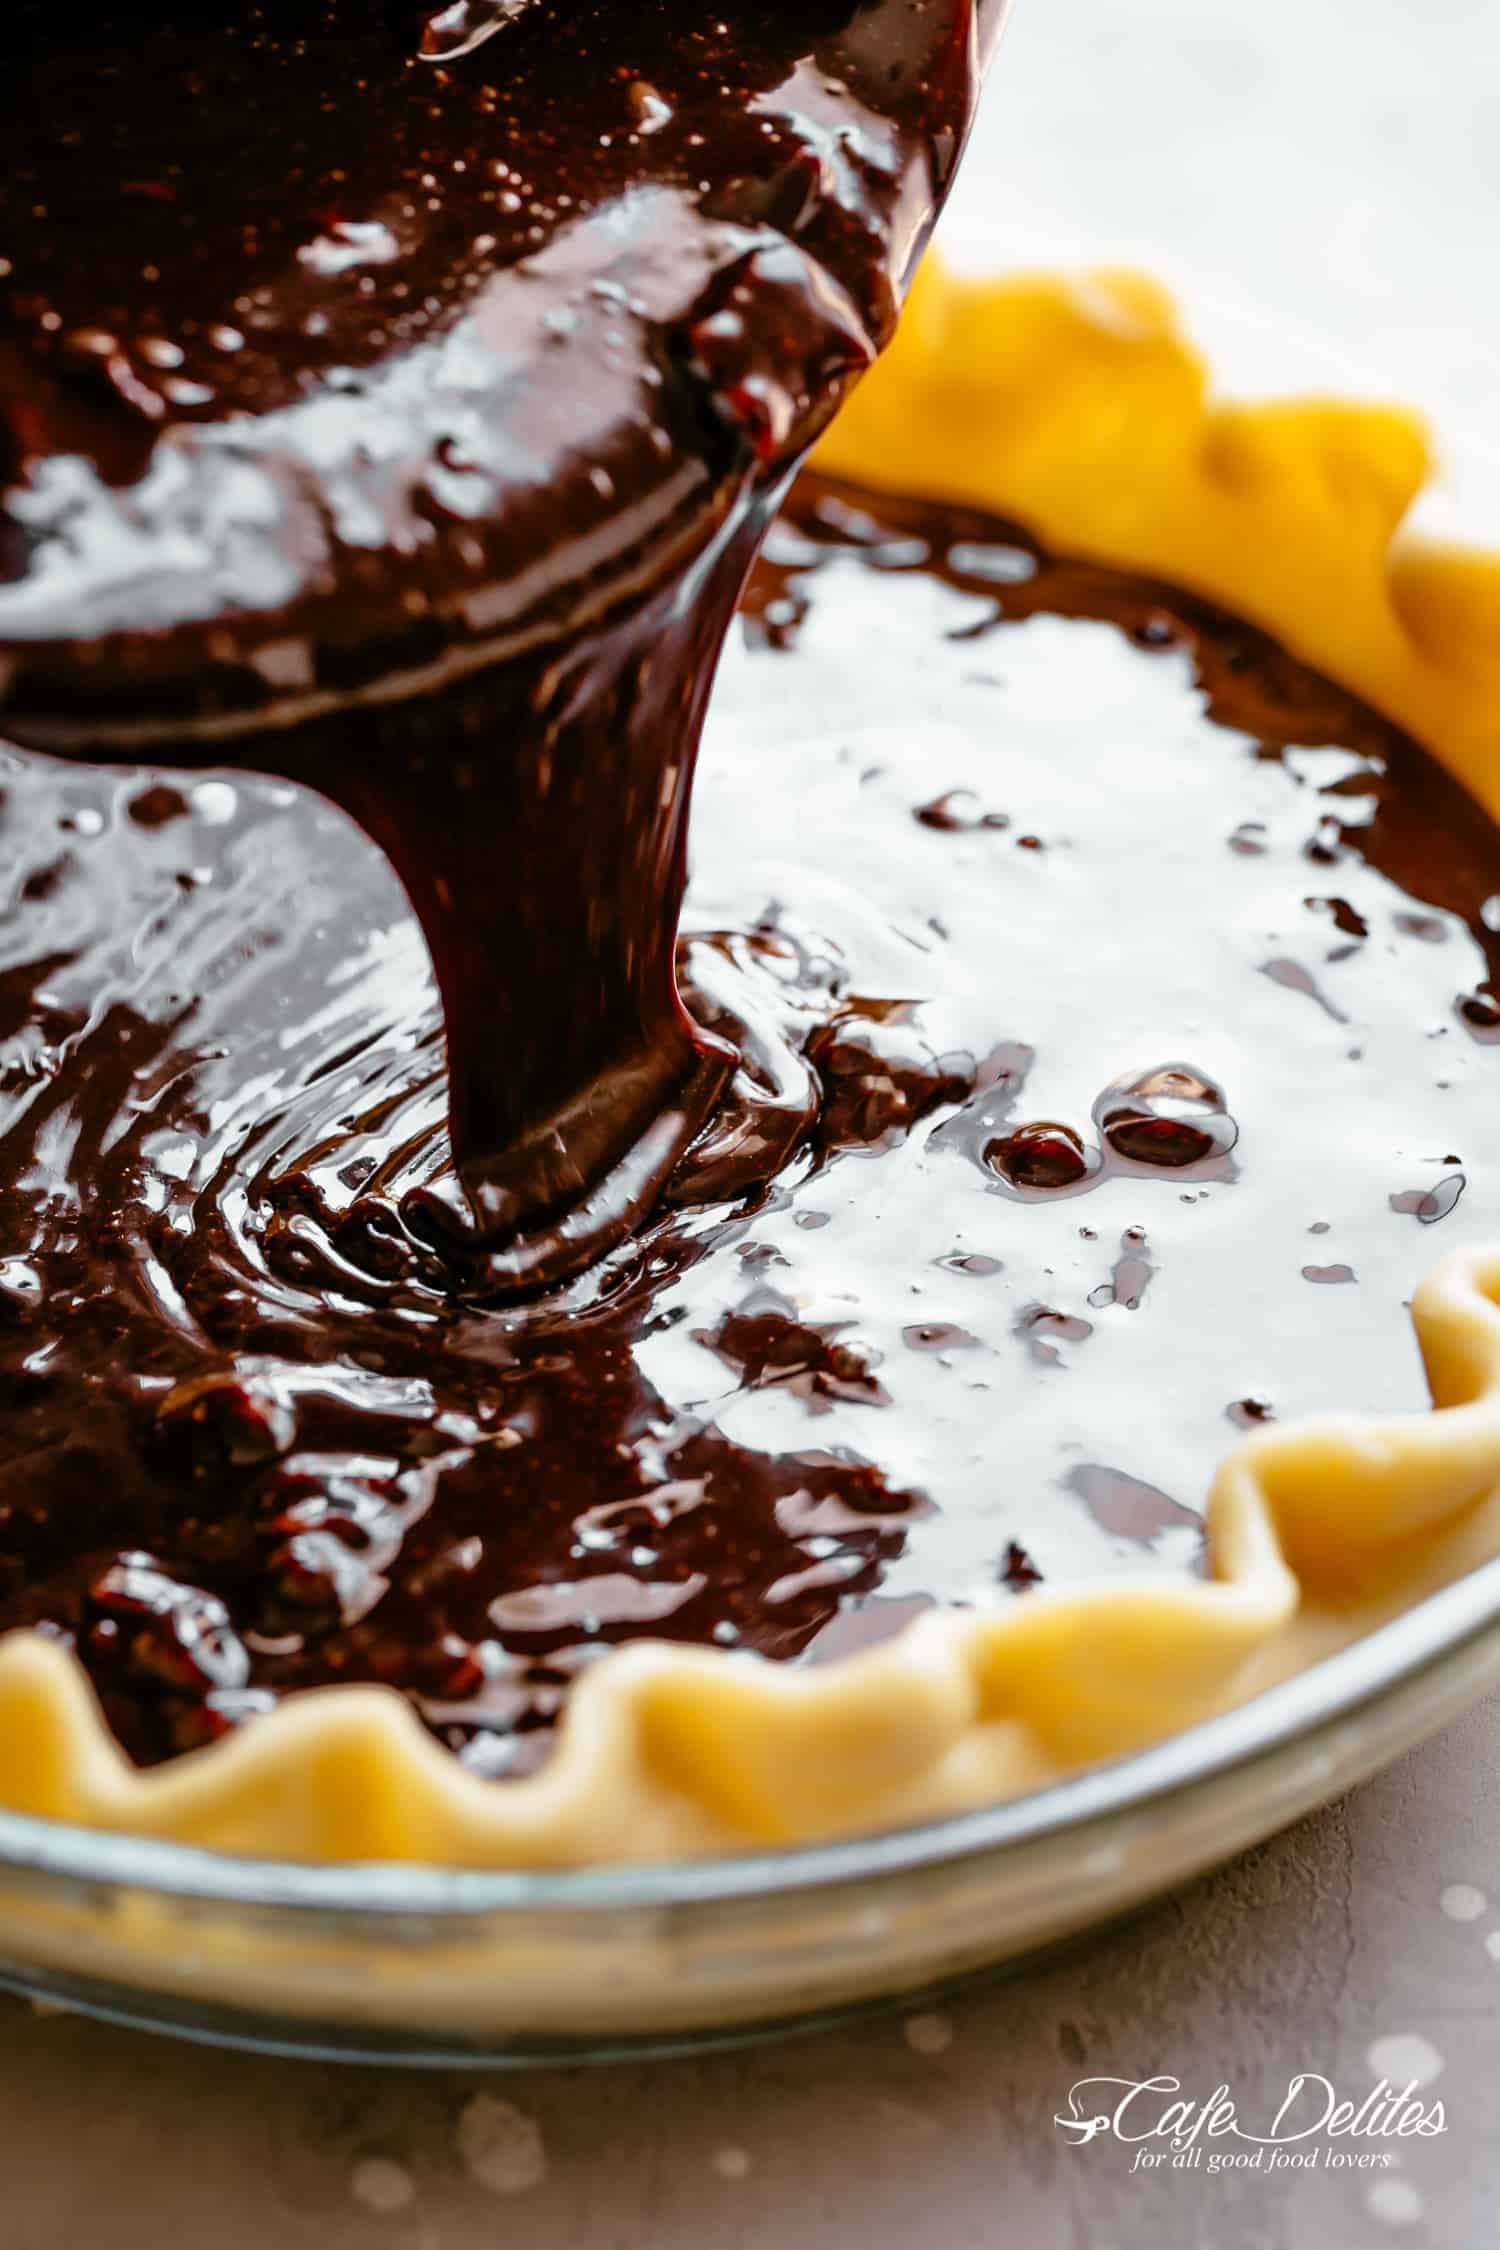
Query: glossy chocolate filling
column 423, row 465
column 1113, row 1054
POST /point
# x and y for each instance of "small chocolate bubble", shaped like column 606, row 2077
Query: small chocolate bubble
column 1168, row 1117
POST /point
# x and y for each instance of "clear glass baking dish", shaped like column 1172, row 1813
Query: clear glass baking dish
column 415, row 1964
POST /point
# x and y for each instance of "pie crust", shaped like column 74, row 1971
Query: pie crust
column 1077, row 407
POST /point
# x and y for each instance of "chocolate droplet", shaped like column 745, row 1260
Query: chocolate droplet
column 1172, row 1116
column 1041, row 1155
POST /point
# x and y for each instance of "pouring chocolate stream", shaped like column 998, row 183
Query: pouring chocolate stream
column 394, row 401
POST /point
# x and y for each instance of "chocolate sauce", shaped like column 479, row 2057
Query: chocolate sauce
column 255, row 1434
column 392, row 398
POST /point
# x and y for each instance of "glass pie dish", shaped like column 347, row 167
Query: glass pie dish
column 1078, row 409
column 445, row 1968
